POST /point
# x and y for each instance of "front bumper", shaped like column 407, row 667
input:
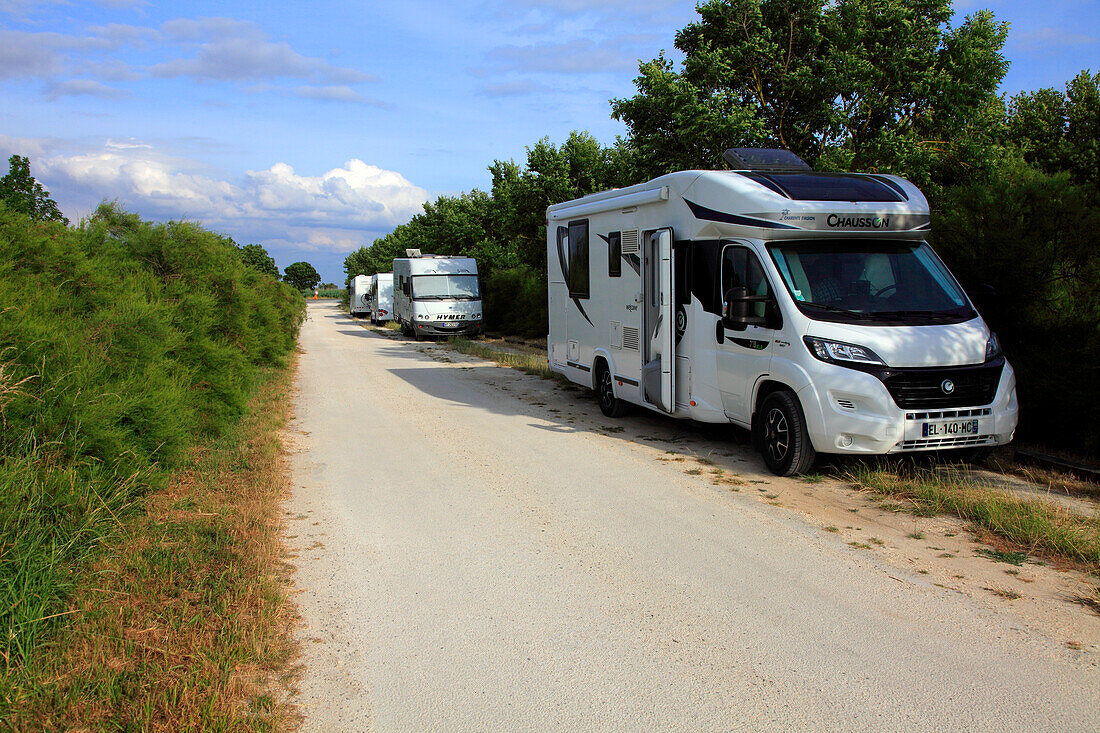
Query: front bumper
column 851, row 412
column 460, row 328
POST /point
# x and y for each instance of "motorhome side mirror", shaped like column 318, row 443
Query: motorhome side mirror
column 737, row 310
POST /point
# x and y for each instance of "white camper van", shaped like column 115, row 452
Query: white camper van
column 381, row 297
column 805, row 306
column 434, row 295
column 358, row 296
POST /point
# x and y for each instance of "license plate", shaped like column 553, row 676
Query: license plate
column 953, row 428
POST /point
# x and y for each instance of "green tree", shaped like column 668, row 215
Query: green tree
column 1060, row 131
column 20, row 192
column 301, row 275
column 884, row 85
column 1033, row 237
column 256, row 257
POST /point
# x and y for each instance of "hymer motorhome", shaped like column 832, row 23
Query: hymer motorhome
column 359, row 296
column 805, row 306
column 435, row 295
column 381, row 297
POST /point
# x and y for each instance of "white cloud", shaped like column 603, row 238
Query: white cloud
column 514, row 88
column 83, row 87
column 1042, row 39
column 236, row 50
column 333, row 211
column 337, row 93
column 581, row 56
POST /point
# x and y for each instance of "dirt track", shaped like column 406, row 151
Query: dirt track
column 481, row 550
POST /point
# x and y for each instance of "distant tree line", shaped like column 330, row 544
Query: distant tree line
column 885, row 87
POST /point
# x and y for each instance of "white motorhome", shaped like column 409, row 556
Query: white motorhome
column 435, row 295
column 381, row 297
column 359, row 296
column 807, row 307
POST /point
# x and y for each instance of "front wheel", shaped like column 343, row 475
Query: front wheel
column 782, row 436
column 610, row 405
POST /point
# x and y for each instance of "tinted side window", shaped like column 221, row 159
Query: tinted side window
column 615, row 254
column 741, row 269
column 578, row 259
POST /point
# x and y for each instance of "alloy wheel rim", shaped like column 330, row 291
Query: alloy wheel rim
column 777, row 438
column 605, row 389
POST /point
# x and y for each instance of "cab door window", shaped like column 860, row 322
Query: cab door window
column 741, row 269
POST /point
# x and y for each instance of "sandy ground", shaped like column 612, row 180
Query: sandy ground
column 479, row 549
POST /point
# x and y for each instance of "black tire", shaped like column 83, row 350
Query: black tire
column 610, row 405
column 782, row 437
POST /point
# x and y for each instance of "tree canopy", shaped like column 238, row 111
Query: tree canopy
column 850, row 84
column 20, row 192
column 301, row 275
column 256, row 257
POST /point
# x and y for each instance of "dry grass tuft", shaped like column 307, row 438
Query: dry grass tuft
column 184, row 624
column 1011, row 523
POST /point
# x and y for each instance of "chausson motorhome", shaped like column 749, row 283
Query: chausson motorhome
column 381, row 297
column 358, row 296
column 434, row 295
column 805, row 306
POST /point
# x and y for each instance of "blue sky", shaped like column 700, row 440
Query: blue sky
column 314, row 127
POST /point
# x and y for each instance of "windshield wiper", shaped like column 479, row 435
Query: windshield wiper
column 918, row 313
column 834, row 309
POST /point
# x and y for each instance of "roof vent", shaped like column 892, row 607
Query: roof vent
column 769, row 160
column 413, row 253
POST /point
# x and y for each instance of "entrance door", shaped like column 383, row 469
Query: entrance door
column 659, row 344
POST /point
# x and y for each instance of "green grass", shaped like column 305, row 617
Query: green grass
column 123, row 344
column 1033, row 526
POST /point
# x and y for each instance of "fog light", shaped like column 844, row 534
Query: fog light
column 845, row 440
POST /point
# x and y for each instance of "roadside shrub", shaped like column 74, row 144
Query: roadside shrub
column 514, row 301
column 1033, row 237
column 122, row 343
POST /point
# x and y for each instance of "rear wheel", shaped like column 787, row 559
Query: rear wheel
column 782, row 436
column 610, row 405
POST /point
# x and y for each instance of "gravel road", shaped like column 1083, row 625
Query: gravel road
column 477, row 551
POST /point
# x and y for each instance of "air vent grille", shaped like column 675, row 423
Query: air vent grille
column 846, row 404
column 630, row 241
column 630, row 338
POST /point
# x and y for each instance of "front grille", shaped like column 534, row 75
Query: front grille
column 931, row 443
column 922, row 389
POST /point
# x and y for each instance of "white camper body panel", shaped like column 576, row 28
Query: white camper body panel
column 599, row 299
column 453, row 305
column 359, row 295
column 381, row 297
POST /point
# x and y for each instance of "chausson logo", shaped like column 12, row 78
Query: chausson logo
column 858, row 222
column 947, row 386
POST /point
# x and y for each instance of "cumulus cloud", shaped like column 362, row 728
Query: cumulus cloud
column 329, row 211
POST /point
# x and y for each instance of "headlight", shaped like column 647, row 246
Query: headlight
column 838, row 352
column 992, row 347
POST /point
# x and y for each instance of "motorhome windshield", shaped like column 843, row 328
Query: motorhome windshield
column 878, row 283
column 445, row 287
